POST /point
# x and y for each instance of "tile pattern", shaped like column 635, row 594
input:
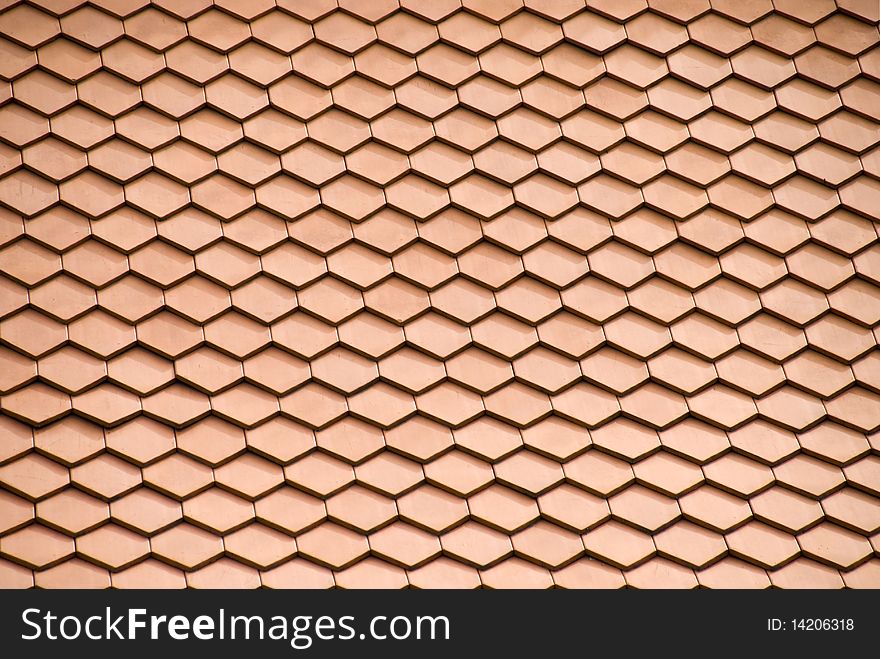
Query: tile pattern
column 436, row 293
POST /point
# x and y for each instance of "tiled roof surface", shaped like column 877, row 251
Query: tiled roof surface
column 432, row 293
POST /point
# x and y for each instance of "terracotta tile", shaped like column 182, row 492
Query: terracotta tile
column 853, row 509
column 70, row 440
column 155, row 29
column 112, row 546
column 404, row 545
column 443, row 573
column 149, row 574
column 459, row 473
column 619, row 545
column 809, row 476
column 488, row 439
column 588, row 573
column 333, row 545
column 476, row 545
column 145, row 511
column 73, row 574
column 371, row 573
column 661, row 573
column 509, row 574
column 834, row 545
column 297, row 573
column 720, row 131
column 70, row 511
column 224, row 573
column 186, row 546
column 749, row 323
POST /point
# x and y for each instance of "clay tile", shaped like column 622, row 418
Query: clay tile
column 661, row 573
column 826, row 67
column 806, row 100
column 851, row 508
column 259, row 64
column 570, row 334
column 854, row 301
column 417, row 197
column 73, row 573
column 861, row 577
column 803, row 572
column 196, row 63
column 19, row 370
column 432, row 509
column 106, row 477
column 785, row 131
column 458, row 472
column 17, row 59
column 112, row 546
column 615, row 99
column 722, row 406
column 733, row 573
column 187, row 546
column 37, row 546
column 382, row 404
column 854, row 408
column 411, row 370
column 785, row 36
column 762, row 545
column 444, row 573
column 361, row 509
column 218, row 511
column 21, row 126
column 149, row 574
column 371, row 573
column 488, row 438
column 386, row 66
column 155, row 29
column 281, row 31
column 720, row 131
column 833, row 545
column 451, row 404
column 698, row 66
column 572, row 65
column 321, row 64
column 531, row 32
column 344, row 370
column 469, row 32
column 437, row 335
column 635, row 66
column 259, row 546
column 786, row 510
column 614, row 370
column 476, row 544
column 29, row 25
column 18, row 512
column 91, row 27
column 447, row 65
column 863, row 37
column 505, row 162
column 218, row 30
column 71, row 370
column 610, row 196
column 43, row 92
column 510, row 65
column 405, row 545
column 29, row 194
column 692, row 544
column 619, row 545
column 351, row 439
column 655, row 33
column 425, row 97
column 594, row 32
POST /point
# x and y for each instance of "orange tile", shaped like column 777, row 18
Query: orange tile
column 380, row 263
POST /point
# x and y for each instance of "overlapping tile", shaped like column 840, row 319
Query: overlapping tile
column 503, row 294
